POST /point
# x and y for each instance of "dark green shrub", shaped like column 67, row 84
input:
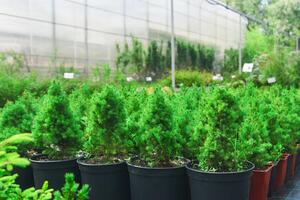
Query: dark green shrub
column 159, row 141
column 155, row 59
column 231, row 61
column 106, row 125
column 55, row 129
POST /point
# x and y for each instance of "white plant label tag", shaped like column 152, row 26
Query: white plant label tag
column 68, row 75
column 218, row 77
column 272, row 80
column 149, row 79
column 248, row 67
column 129, row 79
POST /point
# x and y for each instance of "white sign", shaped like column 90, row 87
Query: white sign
column 68, row 75
column 10, row 60
column 272, row 80
column 129, row 79
column 248, row 67
column 218, row 77
column 149, row 79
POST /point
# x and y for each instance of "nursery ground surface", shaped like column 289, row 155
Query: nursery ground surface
column 291, row 191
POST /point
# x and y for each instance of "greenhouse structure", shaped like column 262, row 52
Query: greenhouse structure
column 81, row 33
column 149, row 100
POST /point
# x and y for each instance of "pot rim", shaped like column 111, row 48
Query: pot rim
column 269, row 168
column 82, row 159
column 33, row 160
column 251, row 168
column 159, row 168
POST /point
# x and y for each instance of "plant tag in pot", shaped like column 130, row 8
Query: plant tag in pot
column 271, row 80
column 129, row 79
column 218, row 77
column 248, row 67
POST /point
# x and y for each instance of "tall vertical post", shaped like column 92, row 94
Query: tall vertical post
column 240, row 46
column 124, row 20
column 173, row 45
column 54, row 34
column 86, row 37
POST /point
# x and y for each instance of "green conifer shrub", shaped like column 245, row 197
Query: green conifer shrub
column 217, row 132
column 159, row 141
column 254, row 135
column 16, row 117
column 106, row 134
column 55, row 129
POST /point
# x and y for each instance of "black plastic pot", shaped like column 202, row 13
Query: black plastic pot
column 220, row 185
column 273, row 179
column 53, row 172
column 25, row 177
column 107, row 182
column 158, row 183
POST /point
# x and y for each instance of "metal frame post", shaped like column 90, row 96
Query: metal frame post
column 173, row 45
column 240, row 46
column 86, row 38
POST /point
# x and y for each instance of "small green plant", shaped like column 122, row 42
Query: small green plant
column 106, row 124
column 55, row 129
column 71, row 190
column 17, row 117
column 217, row 132
column 159, row 141
column 231, row 61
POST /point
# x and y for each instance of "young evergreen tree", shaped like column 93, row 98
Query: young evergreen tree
column 159, row 141
column 218, row 132
column 106, row 134
column 55, row 129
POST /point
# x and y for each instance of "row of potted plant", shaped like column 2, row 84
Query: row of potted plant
column 199, row 143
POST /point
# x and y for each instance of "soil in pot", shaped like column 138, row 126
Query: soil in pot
column 107, row 181
column 273, row 179
column 281, row 172
column 53, row 171
column 220, row 185
column 160, row 183
column 25, row 177
column 260, row 181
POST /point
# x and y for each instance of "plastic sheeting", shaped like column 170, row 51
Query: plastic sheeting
column 82, row 33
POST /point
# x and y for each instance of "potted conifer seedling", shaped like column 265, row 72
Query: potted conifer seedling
column 275, row 117
column 15, row 118
column 158, row 172
column 255, row 142
column 57, row 134
column 104, row 168
column 220, row 170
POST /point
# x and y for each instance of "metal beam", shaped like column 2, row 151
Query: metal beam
column 173, row 45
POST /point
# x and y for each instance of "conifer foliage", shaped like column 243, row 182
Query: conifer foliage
column 55, row 129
